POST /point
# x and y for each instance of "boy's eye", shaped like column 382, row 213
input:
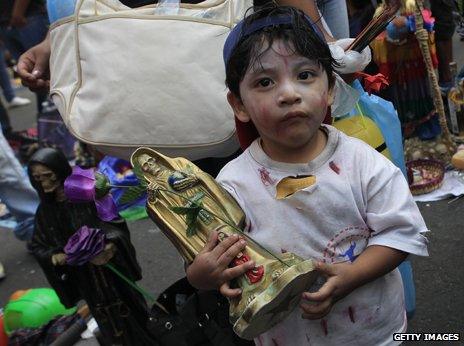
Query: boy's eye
column 305, row 75
column 264, row 82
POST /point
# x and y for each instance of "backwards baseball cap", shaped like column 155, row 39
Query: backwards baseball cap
column 241, row 31
column 246, row 132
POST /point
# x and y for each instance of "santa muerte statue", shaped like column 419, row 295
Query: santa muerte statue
column 188, row 204
column 120, row 311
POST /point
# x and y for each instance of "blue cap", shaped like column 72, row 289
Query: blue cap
column 238, row 33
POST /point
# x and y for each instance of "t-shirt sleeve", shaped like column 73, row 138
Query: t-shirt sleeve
column 391, row 213
column 227, row 178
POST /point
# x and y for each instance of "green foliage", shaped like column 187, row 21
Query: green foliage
column 192, row 212
column 102, row 185
column 132, row 193
column 135, row 192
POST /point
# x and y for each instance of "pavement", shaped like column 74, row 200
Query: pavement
column 439, row 279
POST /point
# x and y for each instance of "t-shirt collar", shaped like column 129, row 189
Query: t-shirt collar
column 258, row 154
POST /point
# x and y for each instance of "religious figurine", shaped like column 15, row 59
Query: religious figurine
column 188, row 204
column 120, row 311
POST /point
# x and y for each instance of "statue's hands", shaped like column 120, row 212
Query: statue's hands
column 105, row 256
column 210, row 269
column 59, row 259
column 339, row 283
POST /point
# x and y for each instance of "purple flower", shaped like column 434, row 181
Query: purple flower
column 84, row 245
column 80, row 185
column 84, row 185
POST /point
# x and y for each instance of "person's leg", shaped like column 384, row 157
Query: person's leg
column 27, row 37
column 335, row 14
column 16, row 191
column 442, row 10
column 33, row 32
column 5, row 82
column 4, row 120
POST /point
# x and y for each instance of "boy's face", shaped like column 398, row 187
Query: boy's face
column 286, row 96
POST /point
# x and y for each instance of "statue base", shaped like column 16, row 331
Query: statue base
column 273, row 304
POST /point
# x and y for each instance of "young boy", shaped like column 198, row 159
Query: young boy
column 357, row 220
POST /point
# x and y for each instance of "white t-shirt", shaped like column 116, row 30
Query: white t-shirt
column 359, row 199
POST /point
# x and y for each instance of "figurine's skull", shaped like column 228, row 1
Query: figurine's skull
column 45, row 177
column 149, row 164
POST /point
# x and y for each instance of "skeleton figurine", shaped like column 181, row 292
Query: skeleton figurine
column 119, row 310
column 187, row 204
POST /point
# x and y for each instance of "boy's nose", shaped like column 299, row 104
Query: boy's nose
column 288, row 94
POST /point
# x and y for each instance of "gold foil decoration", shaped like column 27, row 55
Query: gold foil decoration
column 176, row 188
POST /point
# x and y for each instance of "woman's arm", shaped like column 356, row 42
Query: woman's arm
column 309, row 7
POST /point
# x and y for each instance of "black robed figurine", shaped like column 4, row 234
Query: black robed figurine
column 120, row 311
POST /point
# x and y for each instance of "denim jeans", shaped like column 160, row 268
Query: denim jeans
column 335, row 15
column 18, row 40
column 16, row 192
column 5, row 82
column 4, row 119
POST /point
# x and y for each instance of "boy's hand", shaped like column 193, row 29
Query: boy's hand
column 210, row 269
column 342, row 278
column 340, row 282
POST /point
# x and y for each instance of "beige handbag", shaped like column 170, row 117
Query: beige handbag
column 123, row 78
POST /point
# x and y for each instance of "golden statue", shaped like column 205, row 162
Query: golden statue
column 187, row 204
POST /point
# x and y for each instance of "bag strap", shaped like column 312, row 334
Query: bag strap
column 234, row 10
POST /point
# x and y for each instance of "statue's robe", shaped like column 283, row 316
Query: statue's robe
column 120, row 311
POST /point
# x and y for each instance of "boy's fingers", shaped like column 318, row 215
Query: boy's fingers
column 316, row 311
column 224, row 245
column 229, row 255
column 211, row 242
column 324, row 293
column 228, row 292
column 235, row 272
column 325, row 269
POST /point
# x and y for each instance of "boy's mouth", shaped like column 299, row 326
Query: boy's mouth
column 293, row 115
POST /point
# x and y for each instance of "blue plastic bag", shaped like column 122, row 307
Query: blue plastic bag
column 385, row 117
column 119, row 173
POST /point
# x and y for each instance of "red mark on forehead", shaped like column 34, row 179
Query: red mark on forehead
column 285, row 59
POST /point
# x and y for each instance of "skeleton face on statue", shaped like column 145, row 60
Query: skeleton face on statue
column 45, row 177
column 150, row 165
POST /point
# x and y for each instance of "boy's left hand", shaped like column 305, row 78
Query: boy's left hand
column 342, row 278
column 339, row 283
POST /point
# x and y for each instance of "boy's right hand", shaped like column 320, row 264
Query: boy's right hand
column 210, row 269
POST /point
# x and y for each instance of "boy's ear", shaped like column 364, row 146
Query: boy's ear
column 331, row 95
column 238, row 107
